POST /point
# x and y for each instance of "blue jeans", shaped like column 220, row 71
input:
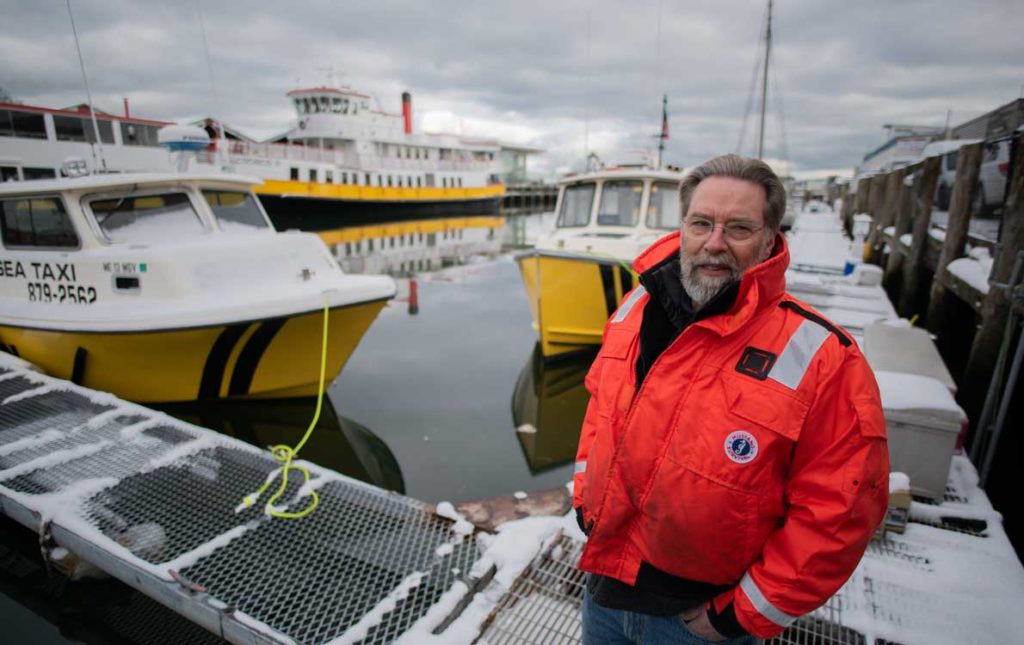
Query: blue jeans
column 603, row 626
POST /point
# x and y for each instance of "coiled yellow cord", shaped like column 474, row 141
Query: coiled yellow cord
column 285, row 454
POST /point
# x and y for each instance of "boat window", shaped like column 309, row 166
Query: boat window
column 38, row 173
column 134, row 134
column 299, row 106
column 235, row 209
column 73, row 128
column 576, row 203
column 620, row 203
column 14, row 123
column 146, row 218
column 663, row 207
column 36, row 221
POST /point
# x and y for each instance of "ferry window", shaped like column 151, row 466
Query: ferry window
column 344, row 177
column 336, row 105
column 328, row 177
column 39, row 173
column 389, row 181
column 73, row 128
column 460, row 182
column 369, row 245
column 22, row 124
column 429, row 180
column 234, row 209
column 576, row 204
column 325, row 104
column 313, row 175
column 146, row 218
column 299, row 106
column 620, row 203
column 8, row 173
column 134, row 134
column 663, row 207
column 367, row 182
column 348, row 248
column 294, row 174
column 419, row 182
column 36, row 221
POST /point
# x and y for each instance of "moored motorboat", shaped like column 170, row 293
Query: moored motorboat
column 162, row 287
column 576, row 276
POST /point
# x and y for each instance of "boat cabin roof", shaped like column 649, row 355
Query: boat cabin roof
column 124, row 180
column 623, row 173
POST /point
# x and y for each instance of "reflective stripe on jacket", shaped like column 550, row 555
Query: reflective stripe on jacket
column 753, row 455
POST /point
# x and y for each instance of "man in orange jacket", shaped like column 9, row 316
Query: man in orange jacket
column 733, row 462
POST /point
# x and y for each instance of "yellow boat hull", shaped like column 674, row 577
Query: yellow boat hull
column 572, row 296
column 271, row 358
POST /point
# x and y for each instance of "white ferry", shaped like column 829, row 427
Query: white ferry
column 172, row 287
column 577, row 275
column 345, row 162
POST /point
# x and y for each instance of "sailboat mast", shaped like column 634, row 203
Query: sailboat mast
column 764, row 82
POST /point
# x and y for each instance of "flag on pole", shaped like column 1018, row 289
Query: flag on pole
column 664, row 117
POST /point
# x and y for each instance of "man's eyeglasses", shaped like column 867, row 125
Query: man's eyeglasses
column 700, row 228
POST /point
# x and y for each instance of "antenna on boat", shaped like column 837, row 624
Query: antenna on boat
column 221, row 148
column 97, row 146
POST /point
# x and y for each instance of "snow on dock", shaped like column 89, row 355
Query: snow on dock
column 152, row 501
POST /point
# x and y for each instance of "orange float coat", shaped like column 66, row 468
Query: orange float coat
column 753, row 455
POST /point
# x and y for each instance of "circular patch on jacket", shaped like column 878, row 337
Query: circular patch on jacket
column 741, row 446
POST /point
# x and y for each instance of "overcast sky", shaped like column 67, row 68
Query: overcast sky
column 565, row 76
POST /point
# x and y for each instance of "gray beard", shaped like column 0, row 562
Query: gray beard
column 702, row 289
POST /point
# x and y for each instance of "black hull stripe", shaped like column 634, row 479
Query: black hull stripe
column 217, row 360
column 78, row 367
column 252, row 353
column 627, row 279
column 608, row 282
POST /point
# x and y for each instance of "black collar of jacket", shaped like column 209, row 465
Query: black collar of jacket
column 662, row 282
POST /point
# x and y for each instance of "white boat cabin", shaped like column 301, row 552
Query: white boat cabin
column 614, row 213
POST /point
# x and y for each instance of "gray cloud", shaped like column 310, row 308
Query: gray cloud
column 540, row 70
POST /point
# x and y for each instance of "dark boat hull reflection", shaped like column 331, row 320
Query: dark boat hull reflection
column 548, row 406
column 337, row 443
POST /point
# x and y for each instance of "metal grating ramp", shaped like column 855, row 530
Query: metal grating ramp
column 152, row 501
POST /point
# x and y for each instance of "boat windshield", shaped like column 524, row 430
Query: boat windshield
column 147, row 218
column 663, row 207
column 620, row 203
column 576, row 203
column 235, row 210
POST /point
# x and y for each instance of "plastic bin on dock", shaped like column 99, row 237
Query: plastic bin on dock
column 908, row 350
column 923, row 422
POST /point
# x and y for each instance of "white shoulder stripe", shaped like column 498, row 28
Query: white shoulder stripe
column 761, row 604
column 796, row 357
column 580, row 467
column 627, row 305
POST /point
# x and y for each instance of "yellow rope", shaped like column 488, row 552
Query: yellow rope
column 285, row 454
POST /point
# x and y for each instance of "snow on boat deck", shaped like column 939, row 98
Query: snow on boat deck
column 151, row 500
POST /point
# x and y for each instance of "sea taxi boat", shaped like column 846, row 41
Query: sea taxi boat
column 164, row 287
column 576, row 276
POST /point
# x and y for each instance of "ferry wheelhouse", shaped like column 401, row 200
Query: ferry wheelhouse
column 577, row 275
column 172, row 287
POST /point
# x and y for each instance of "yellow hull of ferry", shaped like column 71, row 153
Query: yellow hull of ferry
column 270, row 358
column 571, row 297
column 348, row 192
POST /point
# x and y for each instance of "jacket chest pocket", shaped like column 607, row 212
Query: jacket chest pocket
column 617, row 385
column 740, row 433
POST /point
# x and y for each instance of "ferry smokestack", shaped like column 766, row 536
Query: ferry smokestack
column 407, row 111
column 127, row 114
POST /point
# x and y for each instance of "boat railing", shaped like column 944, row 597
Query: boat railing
column 291, row 151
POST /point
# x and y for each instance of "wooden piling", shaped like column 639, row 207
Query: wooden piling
column 995, row 309
column 924, row 193
column 968, row 166
column 889, row 200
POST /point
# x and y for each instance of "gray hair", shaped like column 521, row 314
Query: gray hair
column 747, row 169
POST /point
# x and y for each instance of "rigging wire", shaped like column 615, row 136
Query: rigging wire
column 753, row 84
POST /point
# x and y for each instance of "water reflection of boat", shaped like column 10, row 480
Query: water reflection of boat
column 402, row 248
column 548, row 405
column 172, row 287
column 577, row 275
column 337, row 443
